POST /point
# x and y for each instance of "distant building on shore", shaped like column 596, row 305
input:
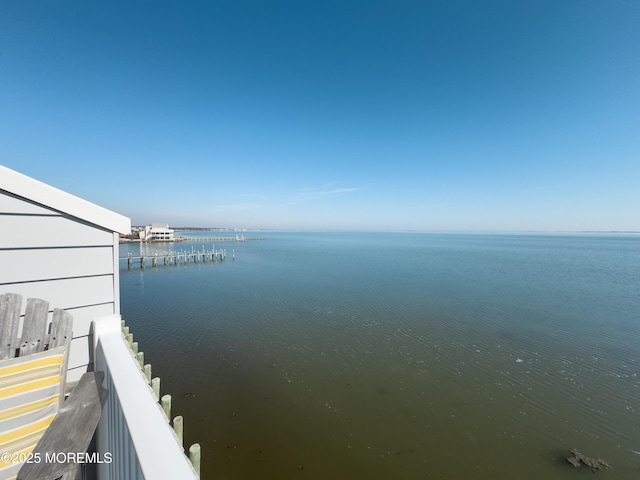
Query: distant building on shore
column 158, row 232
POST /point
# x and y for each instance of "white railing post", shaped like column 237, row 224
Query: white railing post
column 100, row 327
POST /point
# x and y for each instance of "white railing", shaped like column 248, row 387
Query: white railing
column 133, row 431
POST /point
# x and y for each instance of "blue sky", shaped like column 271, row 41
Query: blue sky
column 376, row 115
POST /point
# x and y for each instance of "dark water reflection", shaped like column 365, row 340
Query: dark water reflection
column 392, row 356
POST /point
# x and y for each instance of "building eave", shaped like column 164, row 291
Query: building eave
column 50, row 197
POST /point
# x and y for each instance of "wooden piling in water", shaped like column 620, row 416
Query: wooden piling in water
column 178, row 427
column 165, row 401
column 194, row 456
column 155, row 386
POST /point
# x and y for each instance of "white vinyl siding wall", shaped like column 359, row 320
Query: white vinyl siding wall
column 70, row 262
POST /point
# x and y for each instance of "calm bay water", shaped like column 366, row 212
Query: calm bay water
column 399, row 356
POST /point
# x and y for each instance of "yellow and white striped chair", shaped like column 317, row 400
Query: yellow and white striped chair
column 32, row 377
column 31, row 389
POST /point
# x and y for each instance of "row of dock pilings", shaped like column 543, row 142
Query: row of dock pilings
column 182, row 257
column 165, row 400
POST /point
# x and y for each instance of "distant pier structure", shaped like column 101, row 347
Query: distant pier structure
column 177, row 257
column 237, row 238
